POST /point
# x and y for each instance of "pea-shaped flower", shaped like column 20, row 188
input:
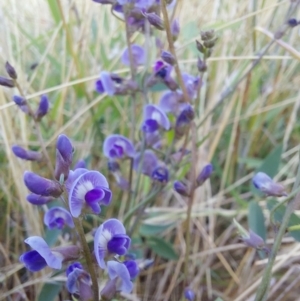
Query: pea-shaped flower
column 118, row 147
column 154, row 118
column 110, row 238
column 138, row 55
column 58, row 217
column 42, row 256
column 91, row 190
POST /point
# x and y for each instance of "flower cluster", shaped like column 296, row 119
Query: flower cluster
column 87, row 191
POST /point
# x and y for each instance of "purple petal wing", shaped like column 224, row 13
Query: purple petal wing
column 38, row 244
column 117, row 269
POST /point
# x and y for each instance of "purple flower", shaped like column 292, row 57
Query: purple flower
column 41, row 256
column 189, row 294
column 118, row 147
column 160, row 174
column 41, row 186
column 105, row 1
column 114, row 168
column 105, row 84
column 154, row 118
column 183, row 120
column 64, row 155
column 153, row 139
column 132, row 268
column 89, row 189
column 58, row 217
column 43, row 107
column 265, row 184
column 205, row 174
column 24, row 154
column 181, row 188
column 148, row 161
column 172, row 102
column 192, row 84
column 36, row 199
column 79, row 281
column 138, row 55
column 80, row 164
column 119, row 273
column 110, row 238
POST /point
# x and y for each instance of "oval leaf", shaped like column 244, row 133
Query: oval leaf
column 256, row 220
column 162, row 248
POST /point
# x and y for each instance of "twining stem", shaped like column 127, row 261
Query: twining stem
column 38, row 129
column 88, row 257
column 262, row 291
column 172, row 50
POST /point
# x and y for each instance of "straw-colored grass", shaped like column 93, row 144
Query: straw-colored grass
column 70, row 50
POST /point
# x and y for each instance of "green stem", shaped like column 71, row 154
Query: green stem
column 88, row 257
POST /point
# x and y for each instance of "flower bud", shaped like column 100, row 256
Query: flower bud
column 43, row 107
column 21, row 103
column 201, row 65
column 36, row 199
column 189, row 294
column 42, row 186
column 64, row 155
column 175, row 29
column 26, row 154
column 292, row 22
column 207, row 34
column 6, row 82
column 200, row 47
column 168, row 57
column 210, row 43
column 204, row 174
column 181, row 188
column 155, row 20
column 265, row 184
column 10, row 70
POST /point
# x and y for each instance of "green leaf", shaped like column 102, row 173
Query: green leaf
column 162, row 248
column 54, row 10
column 271, row 163
column 278, row 215
column 49, row 291
column 256, row 219
column 149, row 230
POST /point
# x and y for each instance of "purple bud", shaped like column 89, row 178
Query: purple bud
column 155, row 20
column 64, row 155
column 42, row 186
column 181, row 188
column 189, row 294
column 43, row 107
column 160, row 174
column 35, row 199
column 175, row 29
column 73, row 266
column 105, row 1
column 168, row 57
column 10, row 70
column 19, row 100
column 105, row 84
column 204, row 174
column 6, row 82
column 253, row 240
column 183, row 120
column 113, row 166
column 201, row 65
column 26, row 154
column 265, row 184
column 200, row 47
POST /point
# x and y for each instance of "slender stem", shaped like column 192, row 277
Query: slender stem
column 132, row 73
column 172, row 50
column 88, row 257
column 38, row 129
column 262, row 291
